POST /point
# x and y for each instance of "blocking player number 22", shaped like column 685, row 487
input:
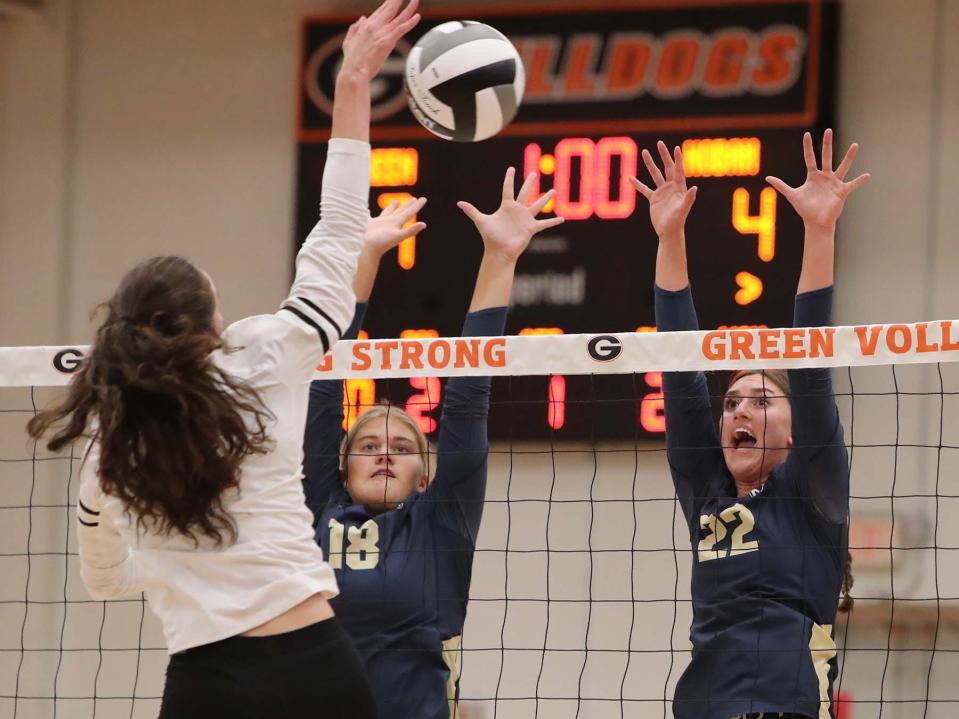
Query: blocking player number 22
column 737, row 518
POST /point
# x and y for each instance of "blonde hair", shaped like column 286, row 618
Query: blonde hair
column 389, row 412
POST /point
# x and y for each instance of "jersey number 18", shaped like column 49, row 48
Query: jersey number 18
column 361, row 549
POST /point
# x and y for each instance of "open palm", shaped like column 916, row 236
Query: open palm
column 509, row 230
column 393, row 225
column 821, row 198
column 670, row 201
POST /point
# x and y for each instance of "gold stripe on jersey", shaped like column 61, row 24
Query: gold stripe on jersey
column 822, row 649
column 451, row 651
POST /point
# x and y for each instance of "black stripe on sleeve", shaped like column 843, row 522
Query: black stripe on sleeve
column 323, row 338
column 86, row 509
column 88, row 524
column 313, row 306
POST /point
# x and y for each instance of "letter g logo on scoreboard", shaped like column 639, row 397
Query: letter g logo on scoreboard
column 604, row 348
column 68, row 360
column 387, row 90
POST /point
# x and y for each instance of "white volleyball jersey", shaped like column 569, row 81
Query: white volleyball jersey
column 205, row 593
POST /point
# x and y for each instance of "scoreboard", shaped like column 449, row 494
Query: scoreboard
column 734, row 83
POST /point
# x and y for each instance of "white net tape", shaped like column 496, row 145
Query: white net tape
column 633, row 352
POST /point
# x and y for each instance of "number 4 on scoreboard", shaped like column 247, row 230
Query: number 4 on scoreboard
column 763, row 225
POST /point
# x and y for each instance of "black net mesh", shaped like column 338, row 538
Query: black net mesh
column 580, row 601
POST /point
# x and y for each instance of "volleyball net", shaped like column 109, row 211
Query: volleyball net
column 579, row 603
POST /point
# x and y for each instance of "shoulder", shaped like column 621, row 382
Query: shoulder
column 261, row 330
column 792, row 488
column 260, row 342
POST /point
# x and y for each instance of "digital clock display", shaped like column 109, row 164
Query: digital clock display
column 595, row 273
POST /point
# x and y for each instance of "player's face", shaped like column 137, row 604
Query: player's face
column 384, row 465
column 756, row 429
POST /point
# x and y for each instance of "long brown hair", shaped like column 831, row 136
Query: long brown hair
column 780, row 378
column 172, row 427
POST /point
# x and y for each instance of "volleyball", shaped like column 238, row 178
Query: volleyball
column 464, row 81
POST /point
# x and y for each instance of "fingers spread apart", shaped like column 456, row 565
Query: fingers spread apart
column 642, row 189
column 654, row 172
column 509, row 187
column 527, row 189
column 411, row 207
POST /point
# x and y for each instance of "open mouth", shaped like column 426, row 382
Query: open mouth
column 743, row 439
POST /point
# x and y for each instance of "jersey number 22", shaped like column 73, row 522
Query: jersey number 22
column 717, row 528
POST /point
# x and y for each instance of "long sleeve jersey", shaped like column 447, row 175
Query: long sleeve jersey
column 766, row 568
column 203, row 592
column 403, row 601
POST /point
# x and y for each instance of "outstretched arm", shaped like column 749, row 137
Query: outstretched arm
column 324, row 422
column 818, row 461
column 669, row 206
column 692, row 444
column 458, row 491
column 321, row 301
column 393, row 225
column 820, row 201
column 506, row 234
column 323, row 433
column 368, row 43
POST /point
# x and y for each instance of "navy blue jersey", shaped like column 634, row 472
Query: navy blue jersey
column 768, row 567
column 404, row 575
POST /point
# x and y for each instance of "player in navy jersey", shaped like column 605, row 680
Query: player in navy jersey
column 402, row 544
column 766, row 496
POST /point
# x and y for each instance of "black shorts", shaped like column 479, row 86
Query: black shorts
column 312, row 673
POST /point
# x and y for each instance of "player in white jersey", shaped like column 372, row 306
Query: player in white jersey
column 191, row 489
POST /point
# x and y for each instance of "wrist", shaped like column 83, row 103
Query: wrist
column 820, row 232
column 673, row 238
column 372, row 254
column 499, row 258
column 351, row 80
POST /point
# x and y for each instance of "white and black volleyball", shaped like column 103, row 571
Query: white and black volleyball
column 464, row 81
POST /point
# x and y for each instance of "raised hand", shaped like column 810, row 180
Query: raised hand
column 670, row 201
column 390, row 228
column 370, row 40
column 507, row 231
column 383, row 233
column 368, row 43
column 820, row 199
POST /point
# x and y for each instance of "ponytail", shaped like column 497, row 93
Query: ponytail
column 846, row 601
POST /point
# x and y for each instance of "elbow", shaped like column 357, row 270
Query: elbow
column 102, row 585
column 98, row 594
